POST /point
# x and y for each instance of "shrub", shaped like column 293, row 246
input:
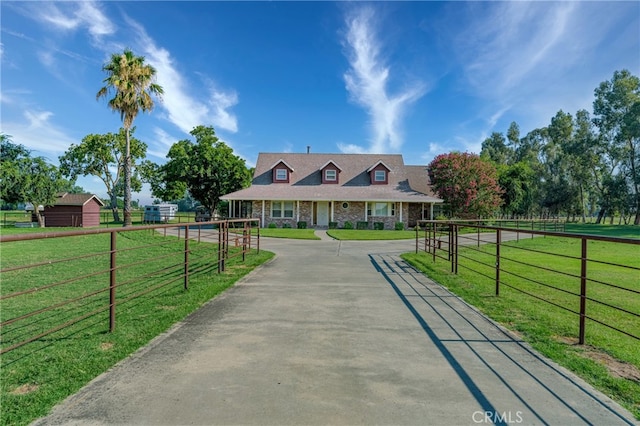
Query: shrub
column 302, row 224
column 272, row 225
column 333, row 225
column 286, row 225
column 378, row 226
column 348, row 225
column 399, row 226
column 362, row 225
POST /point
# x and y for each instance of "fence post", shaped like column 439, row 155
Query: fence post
column 456, row 249
column 450, row 248
column 583, row 290
column 244, row 242
column 498, row 239
column 112, row 284
column 417, row 235
column 186, row 257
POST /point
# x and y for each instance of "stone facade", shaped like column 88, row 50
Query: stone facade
column 343, row 211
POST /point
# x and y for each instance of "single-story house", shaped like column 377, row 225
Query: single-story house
column 320, row 189
column 78, row 210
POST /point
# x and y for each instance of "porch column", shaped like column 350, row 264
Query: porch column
column 332, row 204
column 229, row 208
column 431, row 211
column 400, row 211
column 297, row 210
column 262, row 221
column 366, row 207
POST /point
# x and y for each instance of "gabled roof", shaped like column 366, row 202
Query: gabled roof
column 330, row 162
column 355, row 181
column 377, row 164
column 66, row 199
column 283, row 162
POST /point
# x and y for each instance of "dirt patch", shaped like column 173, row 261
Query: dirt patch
column 617, row 368
column 106, row 346
column 25, row 389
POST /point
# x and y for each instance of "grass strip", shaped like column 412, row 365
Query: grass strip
column 364, row 234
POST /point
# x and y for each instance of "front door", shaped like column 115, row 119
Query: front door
column 322, row 215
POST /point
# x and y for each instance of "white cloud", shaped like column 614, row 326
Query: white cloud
column 183, row 110
column 367, row 81
column 39, row 134
column 69, row 16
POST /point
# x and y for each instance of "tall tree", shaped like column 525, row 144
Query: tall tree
column 616, row 112
column 207, row 168
column 27, row 179
column 103, row 156
column 133, row 83
column 495, row 148
column 467, row 184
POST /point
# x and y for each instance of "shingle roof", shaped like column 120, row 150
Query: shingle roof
column 406, row 183
column 66, row 199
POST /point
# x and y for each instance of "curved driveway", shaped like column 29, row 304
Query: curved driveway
column 340, row 333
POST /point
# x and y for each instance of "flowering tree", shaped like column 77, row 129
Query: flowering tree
column 467, row 184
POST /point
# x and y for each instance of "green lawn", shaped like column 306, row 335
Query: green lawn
column 549, row 329
column 366, row 234
column 293, row 233
column 40, row 374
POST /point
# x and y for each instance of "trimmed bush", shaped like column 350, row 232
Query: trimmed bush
column 333, row 225
column 302, row 224
column 399, row 226
column 378, row 226
column 286, row 225
column 348, row 225
column 362, row 225
column 272, row 225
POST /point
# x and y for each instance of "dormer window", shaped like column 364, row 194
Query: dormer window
column 379, row 173
column 330, row 172
column 282, row 174
column 330, row 175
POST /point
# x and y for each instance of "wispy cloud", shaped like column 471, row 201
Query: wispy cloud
column 367, row 82
column 70, row 16
column 183, row 110
column 39, row 133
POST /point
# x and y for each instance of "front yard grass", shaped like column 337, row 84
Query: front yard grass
column 37, row 376
column 366, row 234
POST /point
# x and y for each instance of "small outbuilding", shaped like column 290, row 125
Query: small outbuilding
column 75, row 210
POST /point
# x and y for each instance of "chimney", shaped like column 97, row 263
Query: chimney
column 308, row 149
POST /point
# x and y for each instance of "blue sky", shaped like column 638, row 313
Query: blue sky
column 416, row 78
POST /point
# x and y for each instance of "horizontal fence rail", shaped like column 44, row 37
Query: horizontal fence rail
column 91, row 218
column 585, row 278
column 100, row 271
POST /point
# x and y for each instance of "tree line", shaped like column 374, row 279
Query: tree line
column 586, row 164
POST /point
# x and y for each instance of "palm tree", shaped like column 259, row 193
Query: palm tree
column 133, row 83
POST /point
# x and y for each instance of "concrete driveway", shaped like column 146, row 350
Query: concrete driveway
column 337, row 333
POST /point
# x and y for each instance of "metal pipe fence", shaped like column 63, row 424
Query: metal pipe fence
column 584, row 275
column 74, row 276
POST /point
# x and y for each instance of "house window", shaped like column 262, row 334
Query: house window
column 281, row 209
column 381, row 209
column 331, row 175
column 281, row 174
column 380, row 175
